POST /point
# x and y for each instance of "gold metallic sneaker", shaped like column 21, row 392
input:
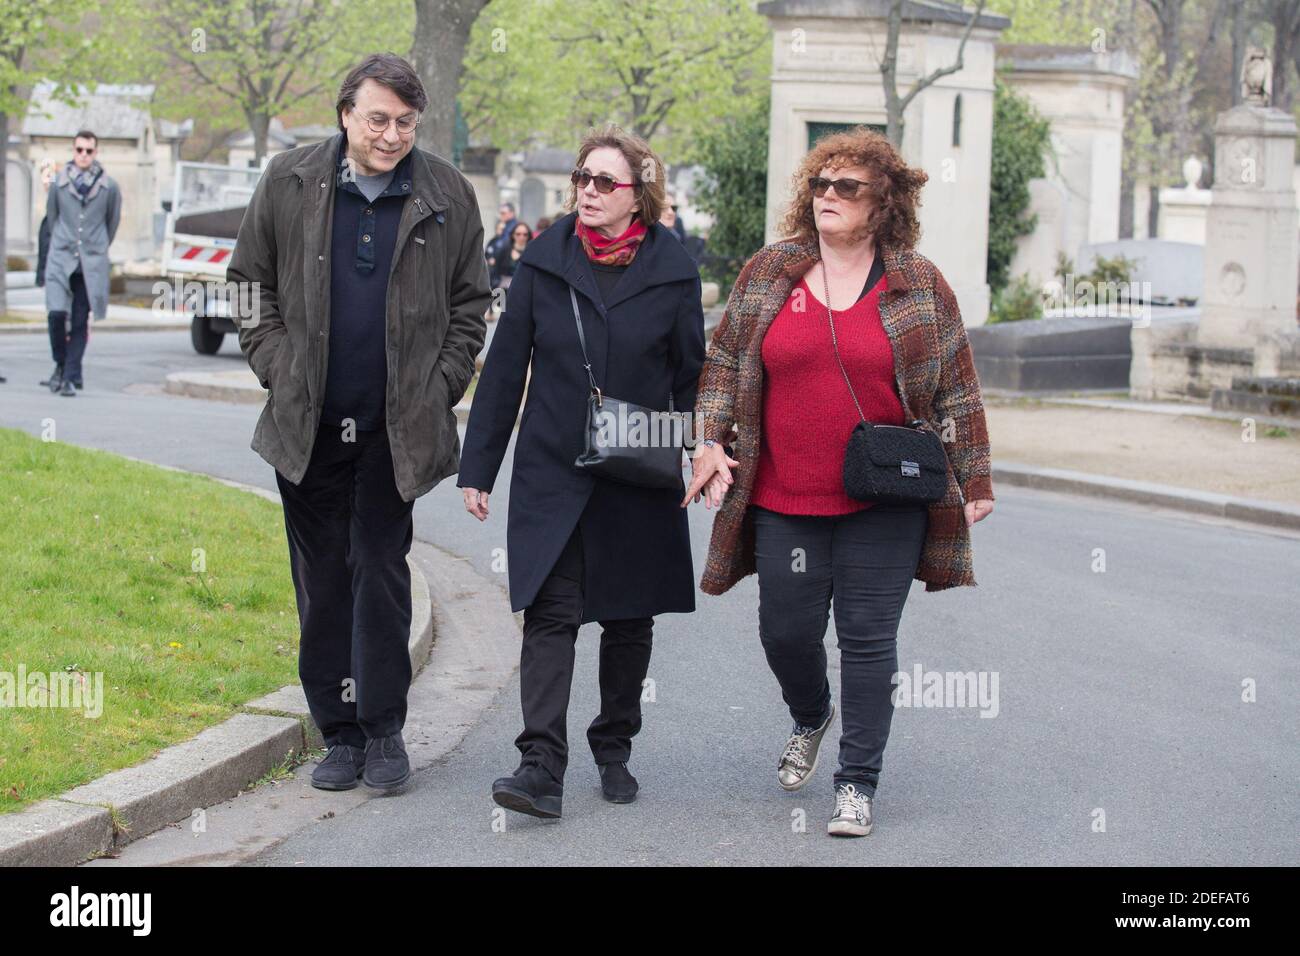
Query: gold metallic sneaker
column 852, row 816
column 799, row 760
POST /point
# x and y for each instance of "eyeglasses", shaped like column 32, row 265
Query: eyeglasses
column 604, row 184
column 378, row 123
column 844, row 188
column 84, row 149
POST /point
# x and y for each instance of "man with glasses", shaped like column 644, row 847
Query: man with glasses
column 83, row 209
column 366, row 257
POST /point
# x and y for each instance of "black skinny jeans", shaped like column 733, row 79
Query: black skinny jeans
column 546, row 671
column 863, row 563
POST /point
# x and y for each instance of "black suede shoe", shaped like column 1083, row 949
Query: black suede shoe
column 387, row 767
column 532, row 790
column 340, row 768
column 616, row 784
column 55, row 380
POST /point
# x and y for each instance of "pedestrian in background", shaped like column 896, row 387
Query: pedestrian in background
column 506, row 263
column 83, row 208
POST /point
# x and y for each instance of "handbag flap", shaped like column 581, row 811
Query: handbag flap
column 889, row 445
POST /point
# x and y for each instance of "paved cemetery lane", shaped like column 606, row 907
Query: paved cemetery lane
column 1117, row 735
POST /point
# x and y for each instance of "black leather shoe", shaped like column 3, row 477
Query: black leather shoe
column 55, row 379
column 387, row 767
column 616, row 784
column 66, row 389
column 532, row 790
column 340, row 768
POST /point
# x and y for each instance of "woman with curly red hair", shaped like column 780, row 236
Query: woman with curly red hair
column 842, row 323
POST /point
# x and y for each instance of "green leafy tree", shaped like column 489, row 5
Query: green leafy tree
column 1021, row 139
column 666, row 70
column 734, row 192
column 240, row 63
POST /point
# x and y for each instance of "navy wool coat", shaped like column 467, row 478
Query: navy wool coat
column 645, row 342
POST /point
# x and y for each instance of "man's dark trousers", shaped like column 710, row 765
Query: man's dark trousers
column 349, row 533
column 68, row 346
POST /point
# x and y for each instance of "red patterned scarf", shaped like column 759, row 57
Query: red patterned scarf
column 618, row 251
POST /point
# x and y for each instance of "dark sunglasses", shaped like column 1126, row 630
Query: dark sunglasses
column 84, row 149
column 844, row 188
column 604, row 184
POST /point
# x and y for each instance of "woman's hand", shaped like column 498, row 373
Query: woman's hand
column 715, row 491
column 707, row 462
column 978, row 510
column 476, row 502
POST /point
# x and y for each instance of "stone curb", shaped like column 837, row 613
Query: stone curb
column 212, row 386
column 1273, row 514
column 108, row 325
column 211, row 767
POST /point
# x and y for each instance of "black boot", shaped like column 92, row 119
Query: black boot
column 530, row 789
column 55, row 380
column 616, row 784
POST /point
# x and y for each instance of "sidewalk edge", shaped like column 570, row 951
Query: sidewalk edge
column 1271, row 513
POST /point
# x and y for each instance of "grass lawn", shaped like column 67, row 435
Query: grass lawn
column 99, row 575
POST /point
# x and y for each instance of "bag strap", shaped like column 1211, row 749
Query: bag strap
column 582, row 340
column 586, row 361
column 917, row 423
column 835, row 345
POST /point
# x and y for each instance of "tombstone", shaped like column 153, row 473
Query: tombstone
column 1246, row 341
column 1183, row 209
column 1081, row 92
column 1251, row 246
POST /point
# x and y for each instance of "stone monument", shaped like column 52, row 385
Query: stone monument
column 1246, row 340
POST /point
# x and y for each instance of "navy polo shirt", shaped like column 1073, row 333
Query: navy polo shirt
column 362, row 241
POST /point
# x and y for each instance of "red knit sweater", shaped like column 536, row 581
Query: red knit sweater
column 808, row 413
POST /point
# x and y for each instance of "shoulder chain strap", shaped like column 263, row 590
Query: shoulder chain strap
column 835, row 344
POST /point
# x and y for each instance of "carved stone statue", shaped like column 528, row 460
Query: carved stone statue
column 1257, row 78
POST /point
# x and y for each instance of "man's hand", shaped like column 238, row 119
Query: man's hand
column 707, row 462
column 476, row 502
column 977, row 510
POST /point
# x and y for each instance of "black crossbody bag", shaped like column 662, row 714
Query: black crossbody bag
column 889, row 464
column 647, row 466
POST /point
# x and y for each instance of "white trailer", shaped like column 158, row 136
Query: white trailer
column 207, row 207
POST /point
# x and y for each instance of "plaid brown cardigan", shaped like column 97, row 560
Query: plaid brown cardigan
column 934, row 374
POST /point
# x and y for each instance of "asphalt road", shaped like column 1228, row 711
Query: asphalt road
column 1120, row 735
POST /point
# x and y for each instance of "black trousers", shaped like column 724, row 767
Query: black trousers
column 69, row 345
column 863, row 563
column 546, row 671
column 349, row 533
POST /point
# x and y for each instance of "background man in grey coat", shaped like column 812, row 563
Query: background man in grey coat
column 365, row 258
column 82, row 209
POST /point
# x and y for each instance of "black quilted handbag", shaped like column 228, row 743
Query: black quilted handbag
column 890, row 464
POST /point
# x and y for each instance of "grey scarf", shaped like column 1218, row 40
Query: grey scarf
column 84, row 179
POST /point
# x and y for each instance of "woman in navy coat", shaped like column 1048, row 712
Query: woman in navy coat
column 582, row 548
